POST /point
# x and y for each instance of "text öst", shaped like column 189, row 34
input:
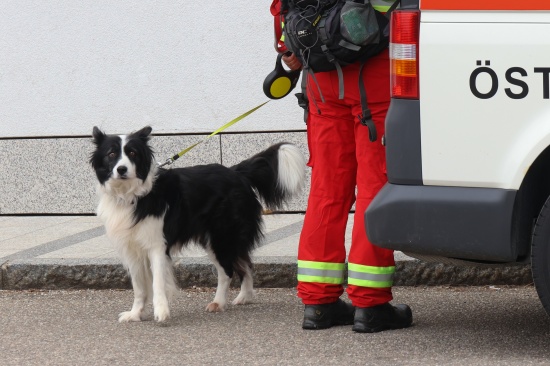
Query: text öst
column 513, row 76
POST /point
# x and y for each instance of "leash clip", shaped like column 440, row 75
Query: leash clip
column 168, row 161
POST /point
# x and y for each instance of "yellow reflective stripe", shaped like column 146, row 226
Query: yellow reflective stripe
column 321, row 265
column 382, row 5
column 321, row 272
column 381, row 8
column 367, row 283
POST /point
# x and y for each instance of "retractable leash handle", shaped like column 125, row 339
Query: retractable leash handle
column 280, row 82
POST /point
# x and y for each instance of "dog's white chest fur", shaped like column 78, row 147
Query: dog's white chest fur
column 125, row 234
column 116, row 216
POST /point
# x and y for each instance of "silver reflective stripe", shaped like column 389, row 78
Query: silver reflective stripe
column 370, row 277
column 321, row 272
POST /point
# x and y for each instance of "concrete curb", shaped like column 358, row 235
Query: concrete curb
column 55, row 274
column 269, row 272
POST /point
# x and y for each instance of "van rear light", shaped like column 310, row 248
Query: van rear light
column 404, row 36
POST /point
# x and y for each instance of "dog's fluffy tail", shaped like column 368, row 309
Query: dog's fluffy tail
column 277, row 173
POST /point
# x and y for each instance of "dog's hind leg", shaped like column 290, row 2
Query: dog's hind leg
column 220, row 299
column 141, row 284
column 247, row 286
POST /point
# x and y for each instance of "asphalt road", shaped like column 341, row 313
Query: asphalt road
column 452, row 326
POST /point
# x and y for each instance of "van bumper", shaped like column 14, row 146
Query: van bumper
column 453, row 222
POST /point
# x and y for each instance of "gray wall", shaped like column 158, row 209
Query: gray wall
column 179, row 66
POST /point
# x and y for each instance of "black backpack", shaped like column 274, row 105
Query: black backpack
column 330, row 34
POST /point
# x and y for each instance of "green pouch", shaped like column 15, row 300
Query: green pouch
column 358, row 24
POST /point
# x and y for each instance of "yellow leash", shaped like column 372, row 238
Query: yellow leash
column 227, row 125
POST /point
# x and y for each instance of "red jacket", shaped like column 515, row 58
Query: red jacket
column 277, row 25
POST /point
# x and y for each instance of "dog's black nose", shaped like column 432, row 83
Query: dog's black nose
column 122, row 170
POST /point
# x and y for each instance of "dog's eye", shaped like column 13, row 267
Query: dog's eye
column 111, row 155
column 132, row 154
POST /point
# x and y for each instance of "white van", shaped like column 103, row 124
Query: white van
column 468, row 135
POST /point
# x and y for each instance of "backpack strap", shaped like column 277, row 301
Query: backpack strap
column 330, row 57
column 302, row 97
column 312, row 74
column 365, row 117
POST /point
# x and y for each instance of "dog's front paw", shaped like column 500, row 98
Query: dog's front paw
column 214, row 307
column 129, row 316
column 162, row 313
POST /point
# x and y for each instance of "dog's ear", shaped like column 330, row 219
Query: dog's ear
column 144, row 133
column 98, row 135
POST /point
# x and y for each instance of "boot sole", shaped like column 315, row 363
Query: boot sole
column 379, row 329
column 317, row 326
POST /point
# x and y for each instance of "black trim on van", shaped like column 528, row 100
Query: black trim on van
column 409, row 4
column 403, row 142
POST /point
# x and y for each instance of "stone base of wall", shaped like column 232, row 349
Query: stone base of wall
column 53, row 175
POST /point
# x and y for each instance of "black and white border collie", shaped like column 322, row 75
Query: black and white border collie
column 151, row 212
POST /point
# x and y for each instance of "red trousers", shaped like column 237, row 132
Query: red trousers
column 346, row 168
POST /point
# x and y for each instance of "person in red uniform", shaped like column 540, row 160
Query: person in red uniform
column 343, row 162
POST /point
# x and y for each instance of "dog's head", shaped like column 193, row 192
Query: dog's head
column 122, row 160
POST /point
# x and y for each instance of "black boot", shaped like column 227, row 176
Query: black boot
column 382, row 317
column 326, row 315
